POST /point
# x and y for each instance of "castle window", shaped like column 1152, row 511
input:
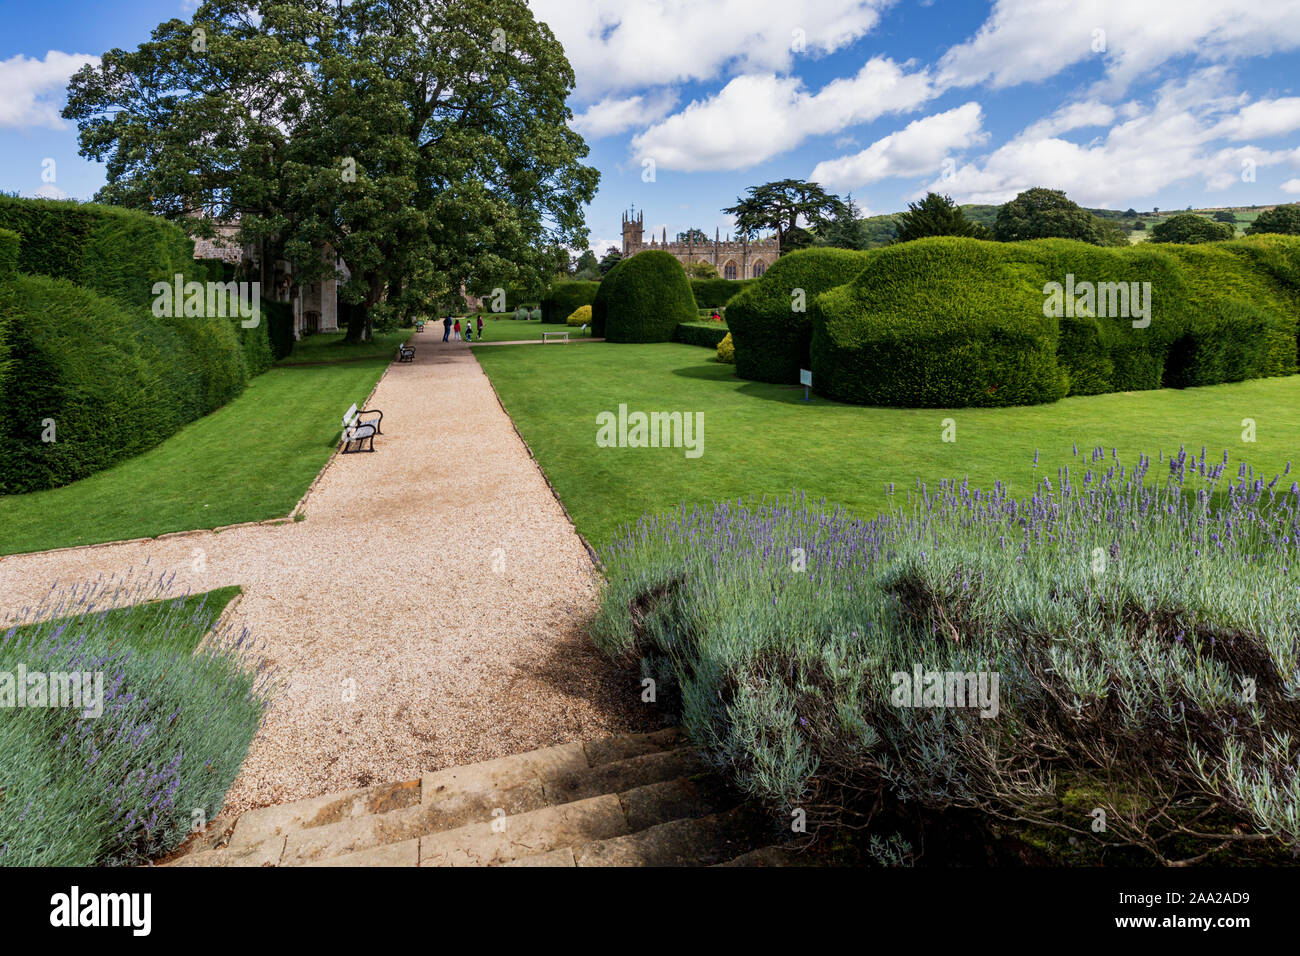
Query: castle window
column 729, row 270
column 759, row 269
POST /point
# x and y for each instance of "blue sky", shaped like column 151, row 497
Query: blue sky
column 1122, row 103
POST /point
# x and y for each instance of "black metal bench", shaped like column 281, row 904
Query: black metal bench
column 406, row 353
column 357, row 432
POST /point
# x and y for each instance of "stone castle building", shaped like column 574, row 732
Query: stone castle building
column 740, row 259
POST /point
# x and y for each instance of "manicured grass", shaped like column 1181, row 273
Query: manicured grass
column 174, row 624
column 764, row 440
column 511, row 330
column 331, row 347
column 249, row 461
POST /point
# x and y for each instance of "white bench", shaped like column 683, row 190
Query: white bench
column 547, row 336
column 357, row 432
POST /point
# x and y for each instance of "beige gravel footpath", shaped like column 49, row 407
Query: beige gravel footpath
column 389, row 582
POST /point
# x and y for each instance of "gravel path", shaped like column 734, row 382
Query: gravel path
column 390, row 583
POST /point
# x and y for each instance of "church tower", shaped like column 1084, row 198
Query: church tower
column 633, row 231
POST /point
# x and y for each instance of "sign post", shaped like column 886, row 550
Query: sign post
column 805, row 379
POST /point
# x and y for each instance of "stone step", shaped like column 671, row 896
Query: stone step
column 456, row 790
column 770, row 856
column 505, row 793
column 690, row 841
column 634, row 800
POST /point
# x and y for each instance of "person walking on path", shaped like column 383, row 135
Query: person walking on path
column 446, row 328
column 456, row 331
column 480, row 327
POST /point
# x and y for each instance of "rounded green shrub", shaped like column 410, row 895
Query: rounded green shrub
column 939, row 322
column 565, row 296
column 643, row 299
column 579, row 317
column 770, row 320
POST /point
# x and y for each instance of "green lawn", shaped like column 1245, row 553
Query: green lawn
column 763, row 439
column 511, row 330
column 249, row 461
column 331, row 347
column 174, row 624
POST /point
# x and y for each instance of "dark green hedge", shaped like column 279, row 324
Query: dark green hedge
column 643, row 299
column 935, row 323
column 771, row 338
column 715, row 293
column 960, row 322
column 9, row 241
column 565, row 296
column 86, row 350
column 706, row 334
column 115, row 381
column 113, row 251
column 278, row 317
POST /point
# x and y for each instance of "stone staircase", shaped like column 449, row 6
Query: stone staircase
column 634, row 800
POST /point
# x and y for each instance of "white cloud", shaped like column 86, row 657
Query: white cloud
column 755, row 117
column 1263, row 119
column 1291, row 186
column 1070, row 117
column 614, row 114
column 32, row 91
column 1151, row 147
column 918, row 148
column 49, row 191
column 1029, row 40
column 615, row 45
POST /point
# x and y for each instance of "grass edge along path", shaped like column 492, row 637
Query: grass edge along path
column 762, row 439
column 251, row 460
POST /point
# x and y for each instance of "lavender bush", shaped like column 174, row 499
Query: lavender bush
column 1142, row 623
column 176, row 724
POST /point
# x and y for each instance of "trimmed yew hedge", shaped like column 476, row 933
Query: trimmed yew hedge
column 87, row 357
column 771, row 338
column 565, row 296
column 951, row 322
column 643, row 299
column 715, row 293
column 704, row 334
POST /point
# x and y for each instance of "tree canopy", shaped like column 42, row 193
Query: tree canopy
column 424, row 141
column 779, row 206
column 1189, row 228
column 936, row 215
column 1281, row 219
column 1046, row 213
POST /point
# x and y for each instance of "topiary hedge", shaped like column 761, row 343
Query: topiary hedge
column 101, row 376
column 565, row 296
column 9, row 242
column 771, row 337
column 960, row 322
column 643, row 299
column 112, row 251
column 98, row 382
column 933, row 323
column 715, row 293
column 704, row 334
column 579, row 317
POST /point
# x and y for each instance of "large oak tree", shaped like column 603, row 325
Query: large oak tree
column 425, row 141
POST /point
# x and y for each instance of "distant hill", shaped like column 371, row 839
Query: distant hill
column 881, row 231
